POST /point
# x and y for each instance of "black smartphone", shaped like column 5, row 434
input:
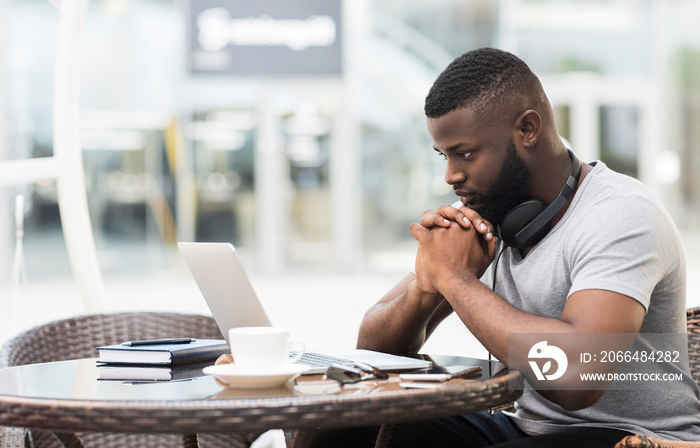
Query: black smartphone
column 440, row 373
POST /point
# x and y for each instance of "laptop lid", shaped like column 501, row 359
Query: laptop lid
column 225, row 286
column 234, row 303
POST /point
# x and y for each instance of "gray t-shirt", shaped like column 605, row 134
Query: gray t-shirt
column 615, row 236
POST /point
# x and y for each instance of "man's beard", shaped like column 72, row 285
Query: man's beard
column 509, row 189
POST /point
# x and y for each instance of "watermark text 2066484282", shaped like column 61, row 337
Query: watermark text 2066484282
column 600, row 361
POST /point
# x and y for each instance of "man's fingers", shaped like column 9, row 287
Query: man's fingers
column 490, row 248
column 464, row 216
column 417, row 231
column 454, row 214
column 480, row 224
column 433, row 219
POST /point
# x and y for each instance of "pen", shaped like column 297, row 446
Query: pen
column 159, row 341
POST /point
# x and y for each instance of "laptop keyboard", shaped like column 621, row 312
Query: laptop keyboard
column 321, row 360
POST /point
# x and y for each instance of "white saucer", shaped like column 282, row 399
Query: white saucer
column 234, row 376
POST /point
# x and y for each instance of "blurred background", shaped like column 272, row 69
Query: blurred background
column 294, row 129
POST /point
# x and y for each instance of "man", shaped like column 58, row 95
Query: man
column 608, row 261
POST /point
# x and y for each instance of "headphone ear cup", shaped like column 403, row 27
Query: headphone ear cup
column 517, row 219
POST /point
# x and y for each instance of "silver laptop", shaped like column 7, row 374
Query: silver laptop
column 233, row 303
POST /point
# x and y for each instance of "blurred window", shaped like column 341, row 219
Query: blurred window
column 619, row 138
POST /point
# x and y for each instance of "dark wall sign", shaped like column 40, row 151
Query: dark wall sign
column 266, row 37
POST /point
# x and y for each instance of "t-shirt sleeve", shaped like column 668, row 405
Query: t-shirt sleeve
column 628, row 245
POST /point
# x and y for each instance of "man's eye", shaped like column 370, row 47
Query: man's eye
column 459, row 155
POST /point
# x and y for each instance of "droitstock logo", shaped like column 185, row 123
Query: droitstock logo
column 551, row 352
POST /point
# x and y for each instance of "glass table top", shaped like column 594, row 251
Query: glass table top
column 79, row 380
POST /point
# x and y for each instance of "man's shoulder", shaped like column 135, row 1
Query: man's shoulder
column 615, row 207
column 618, row 193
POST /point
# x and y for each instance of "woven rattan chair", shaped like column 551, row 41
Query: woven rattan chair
column 76, row 338
column 637, row 441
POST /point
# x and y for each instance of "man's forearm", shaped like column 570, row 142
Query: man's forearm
column 401, row 321
column 589, row 312
column 490, row 318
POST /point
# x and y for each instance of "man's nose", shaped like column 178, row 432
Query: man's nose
column 453, row 175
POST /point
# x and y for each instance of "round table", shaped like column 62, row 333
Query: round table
column 67, row 397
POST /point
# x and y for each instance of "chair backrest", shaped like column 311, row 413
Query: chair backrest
column 693, row 320
column 77, row 337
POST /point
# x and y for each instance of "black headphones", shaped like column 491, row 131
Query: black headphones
column 526, row 224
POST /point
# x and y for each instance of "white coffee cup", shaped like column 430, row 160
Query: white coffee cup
column 263, row 348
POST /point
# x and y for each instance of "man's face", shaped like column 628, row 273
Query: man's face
column 509, row 189
column 483, row 165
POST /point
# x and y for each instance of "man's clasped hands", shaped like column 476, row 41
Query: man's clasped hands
column 455, row 244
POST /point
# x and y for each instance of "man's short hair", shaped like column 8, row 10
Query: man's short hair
column 486, row 80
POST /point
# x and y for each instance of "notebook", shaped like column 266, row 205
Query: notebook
column 149, row 372
column 233, row 303
column 198, row 350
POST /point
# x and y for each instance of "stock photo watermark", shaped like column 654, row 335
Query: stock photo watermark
column 601, row 361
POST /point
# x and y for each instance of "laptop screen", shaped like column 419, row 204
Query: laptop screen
column 224, row 285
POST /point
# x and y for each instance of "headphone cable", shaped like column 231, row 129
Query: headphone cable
column 493, row 288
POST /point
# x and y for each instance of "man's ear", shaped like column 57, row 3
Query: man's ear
column 528, row 126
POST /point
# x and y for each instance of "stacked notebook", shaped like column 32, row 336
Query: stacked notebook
column 159, row 362
column 156, row 372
